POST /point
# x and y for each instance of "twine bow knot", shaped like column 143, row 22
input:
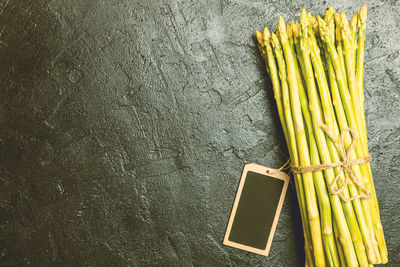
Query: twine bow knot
column 345, row 166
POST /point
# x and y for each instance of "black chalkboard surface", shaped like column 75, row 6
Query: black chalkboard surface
column 256, row 209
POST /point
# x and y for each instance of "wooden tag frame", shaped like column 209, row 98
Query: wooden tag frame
column 268, row 172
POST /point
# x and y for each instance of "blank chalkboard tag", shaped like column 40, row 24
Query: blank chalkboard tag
column 256, row 209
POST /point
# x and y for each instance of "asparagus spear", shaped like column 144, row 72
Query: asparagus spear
column 322, row 194
column 353, row 26
column 290, row 127
column 367, row 230
column 360, row 54
column 340, row 217
column 264, row 41
column 340, row 248
column 353, row 31
column 332, row 78
column 349, row 66
column 340, row 111
column 303, row 151
column 343, row 99
column 360, row 121
column 267, row 54
column 359, row 80
column 331, row 122
column 313, row 27
column 360, row 67
column 339, row 47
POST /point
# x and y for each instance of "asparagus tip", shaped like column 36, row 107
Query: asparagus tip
column 321, row 22
column 354, row 18
column 295, row 29
column 289, row 31
column 261, row 43
column 363, row 13
column 329, row 14
column 275, row 41
column 353, row 22
column 281, row 25
column 260, row 38
column 304, row 20
column 311, row 20
column 343, row 18
column 323, row 29
column 267, row 34
column 329, row 20
column 338, row 33
column 338, row 20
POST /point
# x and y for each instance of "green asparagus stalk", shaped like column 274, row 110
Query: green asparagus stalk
column 364, row 221
column 267, row 54
column 361, row 152
column 303, row 151
column 339, row 245
column 339, row 47
column 360, row 66
column 359, row 81
column 360, row 54
column 349, row 251
column 290, row 127
column 340, row 111
column 333, row 127
column 353, row 26
column 321, row 189
column 318, row 87
column 353, row 31
column 349, row 66
column 264, row 41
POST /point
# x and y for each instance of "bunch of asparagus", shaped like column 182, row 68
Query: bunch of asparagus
column 316, row 69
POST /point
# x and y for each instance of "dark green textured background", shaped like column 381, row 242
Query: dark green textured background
column 124, row 126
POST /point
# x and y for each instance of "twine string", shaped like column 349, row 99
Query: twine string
column 283, row 167
column 344, row 166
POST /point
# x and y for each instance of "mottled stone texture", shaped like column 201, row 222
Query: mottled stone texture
column 124, row 126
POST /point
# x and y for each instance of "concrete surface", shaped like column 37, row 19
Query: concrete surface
column 125, row 126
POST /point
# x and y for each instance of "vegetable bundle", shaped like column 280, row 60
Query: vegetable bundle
column 316, row 69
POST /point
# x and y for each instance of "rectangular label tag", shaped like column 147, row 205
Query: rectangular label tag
column 256, row 209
